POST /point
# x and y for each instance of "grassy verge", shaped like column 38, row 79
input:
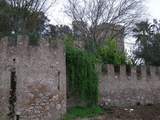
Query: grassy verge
column 83, row 112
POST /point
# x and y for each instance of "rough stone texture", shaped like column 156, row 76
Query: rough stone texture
column 41, row 79
column 122, row 89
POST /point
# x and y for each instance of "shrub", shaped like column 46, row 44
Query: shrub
column 110, row 54
column 82, row 75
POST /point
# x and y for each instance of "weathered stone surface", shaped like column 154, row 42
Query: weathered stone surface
column 129, row 89
column 40, row 77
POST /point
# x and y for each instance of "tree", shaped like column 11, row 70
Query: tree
column 31, row 5
column 97, row 13
column 58, row 31
column 148, row 42
column 24, row 16
column 5, row 26
column 155, row 51
column 142, row 33
column 110, row 54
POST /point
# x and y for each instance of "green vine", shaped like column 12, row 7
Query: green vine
column 82, row 75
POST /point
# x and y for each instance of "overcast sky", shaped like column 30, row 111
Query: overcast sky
column 56, row 13
column 153, row 8
column 57, row 16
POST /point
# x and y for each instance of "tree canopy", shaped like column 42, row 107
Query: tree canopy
column 148, row 42
column 23, row 16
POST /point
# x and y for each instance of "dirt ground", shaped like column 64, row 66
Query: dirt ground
column 147, row 112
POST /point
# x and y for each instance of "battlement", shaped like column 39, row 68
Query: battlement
column 22, row 41
column 122, row 85
column 126, row 72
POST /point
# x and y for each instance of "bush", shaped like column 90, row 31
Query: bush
column 82, row 75
column 110, row 54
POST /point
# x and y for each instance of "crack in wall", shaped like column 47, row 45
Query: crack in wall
column 12, row 97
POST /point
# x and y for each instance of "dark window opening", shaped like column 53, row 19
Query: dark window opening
column 138, row 103
column 139, row 72
column 128, row 70
column 117, row 69
column 14, row 60
column 12, row 97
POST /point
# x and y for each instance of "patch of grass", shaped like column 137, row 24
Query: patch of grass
column 83, row 112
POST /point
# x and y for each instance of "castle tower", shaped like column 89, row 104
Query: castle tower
column 32, row 80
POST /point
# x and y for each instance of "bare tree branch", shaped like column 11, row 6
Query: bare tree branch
column 104, row 12
column 32, row 5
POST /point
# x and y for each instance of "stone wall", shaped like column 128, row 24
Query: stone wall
column 40, row 76
column 127, row 86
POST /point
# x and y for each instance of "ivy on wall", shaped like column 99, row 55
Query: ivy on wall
column 82, row 75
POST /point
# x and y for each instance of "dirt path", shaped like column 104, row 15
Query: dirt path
column 148, row 112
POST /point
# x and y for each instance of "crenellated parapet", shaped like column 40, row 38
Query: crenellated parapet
column 22, row 41
column 123, row 85
column 126, row 72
